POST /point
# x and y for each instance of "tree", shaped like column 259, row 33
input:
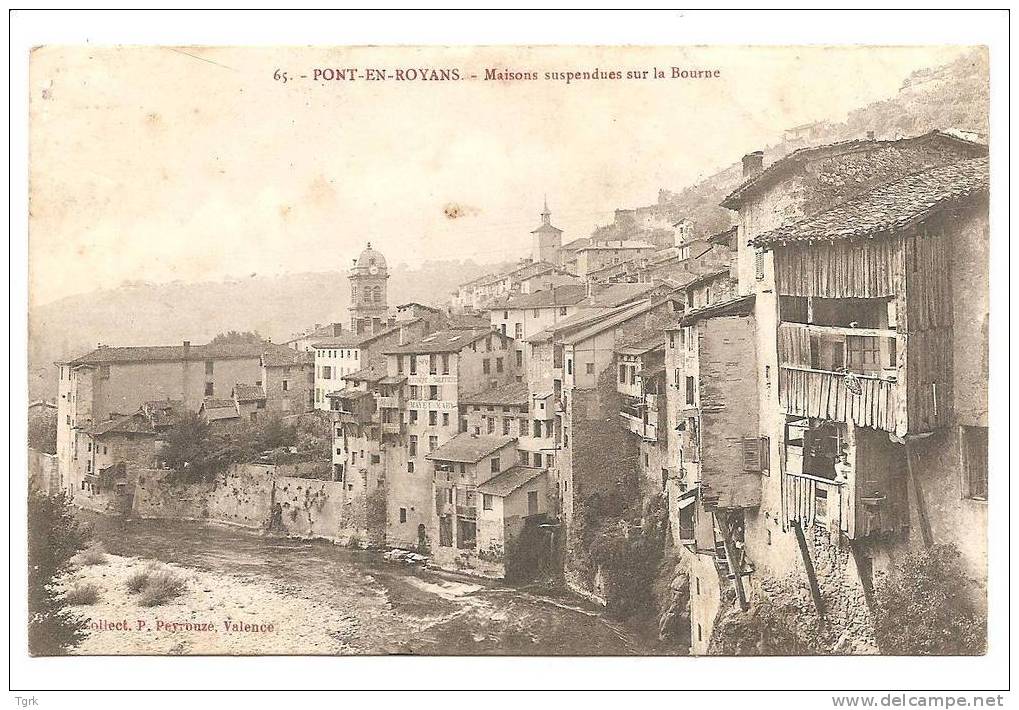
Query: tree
column 54, row 536
column 42, row 431
column 236, row 337
column 926, row 607
column 187, row 448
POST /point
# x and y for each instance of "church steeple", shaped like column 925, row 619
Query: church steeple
column 546, row 238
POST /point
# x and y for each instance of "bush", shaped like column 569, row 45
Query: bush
column 94, row 555
column 54, row 536
column 138, row 581
column 162, row 586
column 926, row 607
column 82, row 595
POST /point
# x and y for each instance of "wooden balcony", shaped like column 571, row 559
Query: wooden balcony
column 840, row 374
column 388, row 402
column 812, row 500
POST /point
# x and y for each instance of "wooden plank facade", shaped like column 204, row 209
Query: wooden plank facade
column 913, row 269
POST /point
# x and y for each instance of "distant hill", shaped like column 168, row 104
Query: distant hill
column 141, row 313
column 954, row 96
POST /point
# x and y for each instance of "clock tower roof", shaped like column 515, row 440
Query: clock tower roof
column 370, row 261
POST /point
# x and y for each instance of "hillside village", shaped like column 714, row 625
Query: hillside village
column 661, row 415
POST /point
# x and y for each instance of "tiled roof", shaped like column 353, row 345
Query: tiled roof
column 735, row 307
column 349, row 393
column 512, row 393
column 798, row 157
column 622, row 244
column 445, row 341
column 374, row 371
column 617, row 295
column 248, row 393
column 218, row 403
column 105, row 354
column 467, row 322
column 612, row 321
column 643, row 343
column 564, row 295
column 136, row 423
column 724, row 237
column 509, row 480
column 162, row 412
column 579, row 319
column 575, row 244
column 468, row 448
column 280, row 356
column 347, row 340
column 887, row 208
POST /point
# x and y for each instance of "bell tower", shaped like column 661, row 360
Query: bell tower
column 546, row 239
column 369, row 308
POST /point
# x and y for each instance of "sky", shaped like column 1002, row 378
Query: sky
column 195, row 164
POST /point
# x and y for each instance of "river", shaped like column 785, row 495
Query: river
column 393, row 607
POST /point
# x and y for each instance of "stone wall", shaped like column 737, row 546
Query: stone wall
column 246, row 497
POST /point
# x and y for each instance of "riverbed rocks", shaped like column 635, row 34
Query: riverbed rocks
column 216, row 614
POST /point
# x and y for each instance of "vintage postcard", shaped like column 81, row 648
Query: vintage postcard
column 509, row 351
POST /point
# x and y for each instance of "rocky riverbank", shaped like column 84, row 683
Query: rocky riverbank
column 214, row 614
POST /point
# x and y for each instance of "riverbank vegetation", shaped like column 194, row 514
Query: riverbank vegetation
column 925, row 607
column 54, row 537
column 197, row 452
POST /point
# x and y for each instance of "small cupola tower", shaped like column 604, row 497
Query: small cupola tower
column 369, row 307
column 546, row 239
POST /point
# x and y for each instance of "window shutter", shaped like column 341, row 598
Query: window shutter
column 765, row 454
column 751, row 454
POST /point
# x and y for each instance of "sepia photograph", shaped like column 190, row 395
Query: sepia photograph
column 467, row 350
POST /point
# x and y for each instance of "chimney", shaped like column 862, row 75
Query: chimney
column 187, row 343
column 870, row 135
column 753, row 163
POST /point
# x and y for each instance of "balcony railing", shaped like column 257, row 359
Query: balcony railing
column 395, row 428
column 839, row 374
column 842, row 397
column 812, row 500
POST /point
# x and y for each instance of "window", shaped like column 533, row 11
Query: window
column 562, row 311
column 491, row 424
column 536, row 313
column 286, row 385
column 433, row 392
column 433, row 364
column 433, row 418
column 486, row 366
column 413, row 391
column 433, row 443
column 403, row 515
column 675, row 378
column 569, row 367
column 413, row 364
column 208, row 389
column 672, row 339
column 495, row 464
column 518, row 330
column 864, row 353
column 689, row 390
column 505, row 426
column 410, row 467
column 486, row 501
column 446, row 531
column 413, row 445
column 413, row 416
column 505, row 315
column 520, row 358
column 498, row 364
column 525, row 458
column 974, row 460
column 445, row 419
column 445, row 363
column 209, row 366
column 327, row 372
column 399, row 364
